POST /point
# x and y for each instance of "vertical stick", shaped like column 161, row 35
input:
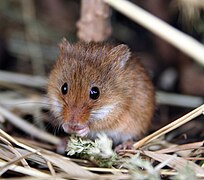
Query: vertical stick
column 94, row 24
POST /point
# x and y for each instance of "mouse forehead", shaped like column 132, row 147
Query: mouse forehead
column 77, row 74
column 83, row 64
column 86, row 67
column 85, row 73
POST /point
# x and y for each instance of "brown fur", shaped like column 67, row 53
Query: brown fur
column 120, row 78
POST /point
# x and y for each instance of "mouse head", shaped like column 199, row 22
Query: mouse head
column 87, row 85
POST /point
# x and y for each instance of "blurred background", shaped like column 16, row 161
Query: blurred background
column 31, row 29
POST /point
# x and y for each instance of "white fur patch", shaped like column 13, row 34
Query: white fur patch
column 103, row 111
column 56, row 106
column 117, row 135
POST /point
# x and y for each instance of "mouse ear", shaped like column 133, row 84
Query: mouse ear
column 64, row 45
column 120, row 54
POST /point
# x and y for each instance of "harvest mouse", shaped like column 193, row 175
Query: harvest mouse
column 97, row 87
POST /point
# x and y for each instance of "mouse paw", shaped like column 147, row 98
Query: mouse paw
column 79, row 130
column 82, row 132
column 125, row 145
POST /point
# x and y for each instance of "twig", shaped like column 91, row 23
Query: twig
column 175, row 124
column 107, row 170
column 178, row 100
column 27, row 80
column 190, row 146
column 5, row 168
column 185, row 43
column 14, row 151
column 94, row 23
column 194, row 3
column 31, row 172
column 28, row 128
column 24, row 104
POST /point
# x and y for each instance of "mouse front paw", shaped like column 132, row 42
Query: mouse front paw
column 82, row 132
column 125, row 145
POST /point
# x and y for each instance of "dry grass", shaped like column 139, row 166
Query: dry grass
column 33, row 161
column 151, row 158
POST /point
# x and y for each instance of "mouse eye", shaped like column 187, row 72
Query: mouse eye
column 94, row 93
column 64, row 89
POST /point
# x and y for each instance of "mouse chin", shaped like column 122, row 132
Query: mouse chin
column 79, row 130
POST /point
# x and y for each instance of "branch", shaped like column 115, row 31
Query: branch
column 183, row 42
column 175, row 124
column 23, row 79
column 94, row 23
column 28, row 128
